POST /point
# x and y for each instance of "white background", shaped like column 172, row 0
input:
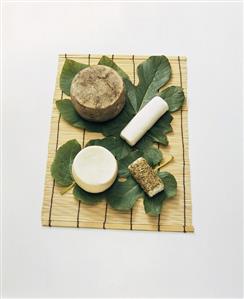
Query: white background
column 44, row 262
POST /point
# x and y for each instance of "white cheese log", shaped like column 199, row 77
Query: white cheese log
column 144, row 120
column 94, row 169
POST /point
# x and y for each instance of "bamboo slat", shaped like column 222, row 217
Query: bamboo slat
column 65, row 211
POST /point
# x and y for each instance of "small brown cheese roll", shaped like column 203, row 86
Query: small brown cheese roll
column 98, row 93
column 146, row 177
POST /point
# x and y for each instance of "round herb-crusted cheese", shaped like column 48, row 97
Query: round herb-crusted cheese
column 98, row 93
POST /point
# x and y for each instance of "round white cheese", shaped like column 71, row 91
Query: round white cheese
column 94, row 169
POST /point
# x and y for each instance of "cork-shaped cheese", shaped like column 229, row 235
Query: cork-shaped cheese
column 146, row 177
column 98, row 93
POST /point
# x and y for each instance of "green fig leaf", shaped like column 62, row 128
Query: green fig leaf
column 163, row 124
column 153, row 205
column 109, row 62
column 86, row 197
column 170, row 183
column 153, row 156
column 153, row 73
column 70, row 69
column 158, row 132
column 144, row 143
column 157, row 136
column 131, row 95
column 69, row 114
column 62, row 164
column 118, row 147
column 114, row 126
column 123, row 195
column 174, row 96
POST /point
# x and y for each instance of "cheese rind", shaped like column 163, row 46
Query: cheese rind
column 144, row 120
column 98, row 93
column 94, row 169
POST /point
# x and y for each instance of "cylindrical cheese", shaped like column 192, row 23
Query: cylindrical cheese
column 94, row 169
column 144, row 174
column 144, row 120
column 98, row 93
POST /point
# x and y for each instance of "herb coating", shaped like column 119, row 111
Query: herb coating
column 146, row 177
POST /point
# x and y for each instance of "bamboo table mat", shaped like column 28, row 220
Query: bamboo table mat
column 66, row 211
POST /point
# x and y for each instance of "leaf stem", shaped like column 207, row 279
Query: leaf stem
column 168, row 160
column 67, row 188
